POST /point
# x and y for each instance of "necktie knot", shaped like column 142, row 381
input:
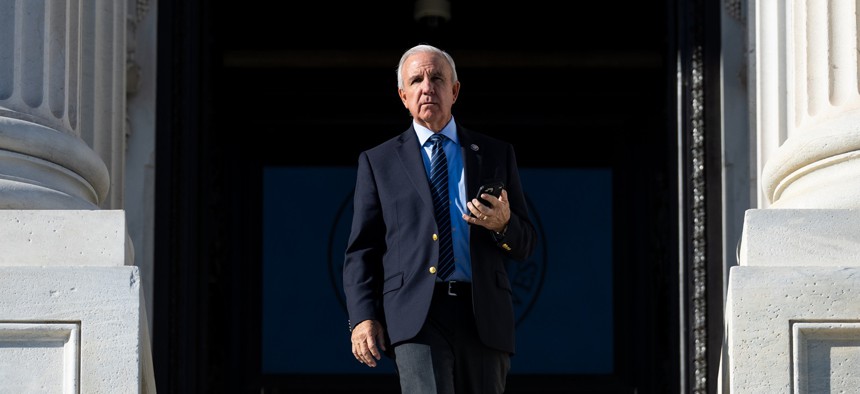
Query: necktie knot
column 438, row 140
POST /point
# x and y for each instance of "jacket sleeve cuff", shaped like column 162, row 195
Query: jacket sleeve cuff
column 499, row 237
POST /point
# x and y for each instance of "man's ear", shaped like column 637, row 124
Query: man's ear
column 402, row 95
column 455, row 90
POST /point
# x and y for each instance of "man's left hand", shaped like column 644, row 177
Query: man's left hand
column 494, row 218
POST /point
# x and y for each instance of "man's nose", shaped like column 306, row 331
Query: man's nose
column 426, row 86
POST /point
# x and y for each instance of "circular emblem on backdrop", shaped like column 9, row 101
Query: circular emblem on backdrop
column 526, row 276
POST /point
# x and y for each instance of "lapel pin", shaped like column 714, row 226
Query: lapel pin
column 474, row 147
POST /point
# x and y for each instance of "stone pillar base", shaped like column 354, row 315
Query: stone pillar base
column 73, row 330
column 72, row 313
column 792, row 312
column 793, row 330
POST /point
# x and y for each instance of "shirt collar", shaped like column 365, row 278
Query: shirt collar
column 423, row 133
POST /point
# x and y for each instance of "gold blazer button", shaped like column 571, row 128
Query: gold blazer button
column 432, row 270
column 435, row 237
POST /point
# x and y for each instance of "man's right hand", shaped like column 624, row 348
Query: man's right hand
column 367, row 338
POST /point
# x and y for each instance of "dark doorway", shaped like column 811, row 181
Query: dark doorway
column 243, row 87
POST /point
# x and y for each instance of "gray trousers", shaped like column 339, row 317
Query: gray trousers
column 447, row 356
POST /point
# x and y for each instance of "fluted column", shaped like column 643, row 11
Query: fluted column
column 62, row 104
column 818, row 128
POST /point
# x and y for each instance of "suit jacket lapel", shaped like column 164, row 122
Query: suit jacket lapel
column 409, row 153
column 472, row 161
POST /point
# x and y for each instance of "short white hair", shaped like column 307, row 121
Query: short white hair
column 424, row 48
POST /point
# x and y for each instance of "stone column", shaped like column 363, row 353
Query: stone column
column 792, row 307
column 72, row 315
column 815, row 165
column 62, row 104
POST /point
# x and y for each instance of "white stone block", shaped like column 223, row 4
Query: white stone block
column 64, row 237
column 801, row 237
column 771, row 309
column 105, row 302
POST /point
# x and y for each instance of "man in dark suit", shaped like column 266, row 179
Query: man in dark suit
column 425, row 277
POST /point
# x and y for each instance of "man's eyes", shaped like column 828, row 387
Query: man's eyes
column 433, row 78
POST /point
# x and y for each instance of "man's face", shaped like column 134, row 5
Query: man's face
column 428, row 90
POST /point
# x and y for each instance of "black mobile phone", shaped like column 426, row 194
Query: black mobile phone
column 493, row 188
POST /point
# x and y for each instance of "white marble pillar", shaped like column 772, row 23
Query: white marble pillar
column 792, row 306
column 62, row 104
column 71, row 306
column 810, row 104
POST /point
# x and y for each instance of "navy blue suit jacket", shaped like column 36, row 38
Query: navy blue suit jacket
column 387, row 272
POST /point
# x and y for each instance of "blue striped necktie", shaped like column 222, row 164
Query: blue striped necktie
column 441, row 205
